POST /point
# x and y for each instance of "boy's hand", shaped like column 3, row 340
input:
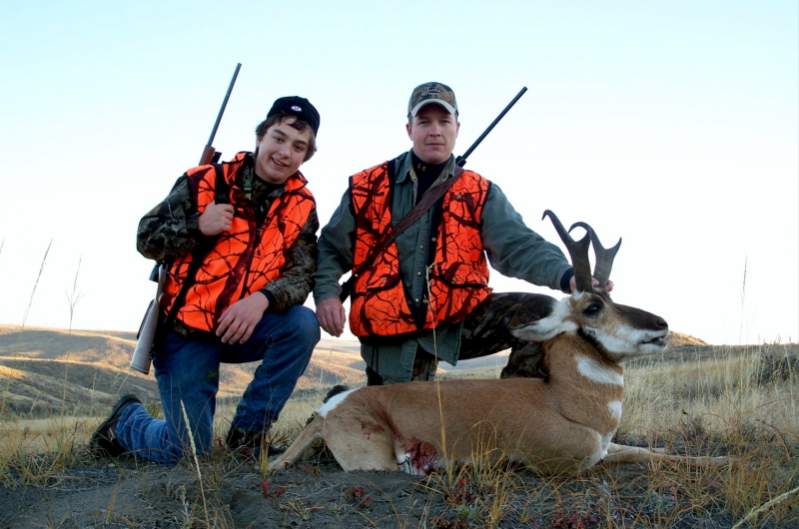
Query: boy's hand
column 239, row 320
column 215, row 219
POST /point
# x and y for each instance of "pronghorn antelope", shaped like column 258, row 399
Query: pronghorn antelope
column 562, row 424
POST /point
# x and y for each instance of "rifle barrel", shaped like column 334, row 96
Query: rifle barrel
column 462, row 159
column 224, row 104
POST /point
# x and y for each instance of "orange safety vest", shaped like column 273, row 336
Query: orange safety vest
column 458, row 277
column 243, row 259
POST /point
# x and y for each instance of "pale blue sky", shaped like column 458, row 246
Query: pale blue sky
column 674, row 125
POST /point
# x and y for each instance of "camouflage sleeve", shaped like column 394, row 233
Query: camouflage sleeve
column 516, row 250
column 170, row 229
column 296, row 282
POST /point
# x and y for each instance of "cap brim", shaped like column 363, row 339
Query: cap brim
column 415, row 110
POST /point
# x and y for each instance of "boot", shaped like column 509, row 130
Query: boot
column 248, row 444
column 104, row 442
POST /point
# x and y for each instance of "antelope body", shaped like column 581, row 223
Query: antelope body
column 564, row 423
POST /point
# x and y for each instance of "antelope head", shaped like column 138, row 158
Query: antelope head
column 618, row 331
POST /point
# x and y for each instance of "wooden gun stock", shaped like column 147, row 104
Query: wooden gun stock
column 210, row 155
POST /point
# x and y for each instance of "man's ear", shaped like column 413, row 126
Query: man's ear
column 408, row 128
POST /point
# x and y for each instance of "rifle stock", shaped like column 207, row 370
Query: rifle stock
column 142, row 355
column 209, row 156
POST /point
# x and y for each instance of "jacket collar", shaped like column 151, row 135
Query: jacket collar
column 405, row 167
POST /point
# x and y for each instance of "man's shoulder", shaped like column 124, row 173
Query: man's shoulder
column 477, row 177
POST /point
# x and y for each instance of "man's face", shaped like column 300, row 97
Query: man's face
column 281, row 151
column 433, row 132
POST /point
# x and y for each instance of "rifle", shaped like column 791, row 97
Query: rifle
column 210, row 155
column 427, row 200
column 145, row 339
column 461, row 160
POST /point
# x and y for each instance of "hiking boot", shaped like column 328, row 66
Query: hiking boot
column 248, row 444
column 104, row 441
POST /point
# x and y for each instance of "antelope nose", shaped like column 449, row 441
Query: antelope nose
column 661, row 324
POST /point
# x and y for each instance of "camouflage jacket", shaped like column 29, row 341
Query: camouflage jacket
column 171, row 230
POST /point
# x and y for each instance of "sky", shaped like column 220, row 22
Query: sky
column 674, row 125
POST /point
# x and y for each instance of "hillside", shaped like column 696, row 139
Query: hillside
column 43, row 371
column 49, row 370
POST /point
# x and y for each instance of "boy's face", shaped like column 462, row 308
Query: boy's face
column 281, row 151
column 433, row 132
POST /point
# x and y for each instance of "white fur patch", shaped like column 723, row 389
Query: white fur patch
column 599, row 452
column 597, row 372
column 605, row 444
column 406, row 465
column 334, row 401
column 626, row 341
column 614, row 408
column 403, row 460
column 549, row 327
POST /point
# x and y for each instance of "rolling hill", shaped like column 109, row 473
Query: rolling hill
column 45, row 371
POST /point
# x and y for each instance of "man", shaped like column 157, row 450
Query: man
column 239, row 242
column 426, row 297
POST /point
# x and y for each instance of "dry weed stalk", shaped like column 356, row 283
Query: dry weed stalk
column 36, row 283
column 196, row 463
column 74, row 296
column 765, row 507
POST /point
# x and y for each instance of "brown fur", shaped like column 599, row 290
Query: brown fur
column 552, row 426
column 562, row 424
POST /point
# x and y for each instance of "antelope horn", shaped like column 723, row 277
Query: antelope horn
column 578, row 250
column 604, row 256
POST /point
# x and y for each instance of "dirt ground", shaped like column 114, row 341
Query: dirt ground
column 124, row 493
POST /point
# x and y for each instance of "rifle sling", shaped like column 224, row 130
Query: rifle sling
column 221, row 196
column 390, row 235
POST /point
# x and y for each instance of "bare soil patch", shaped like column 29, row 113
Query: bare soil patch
column 232, row 493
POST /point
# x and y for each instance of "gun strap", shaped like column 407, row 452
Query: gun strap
column 221, row 196
column 390, row 235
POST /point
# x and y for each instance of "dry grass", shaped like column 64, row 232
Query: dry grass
column 34, row 451
column 739, row 403
column 721, row 391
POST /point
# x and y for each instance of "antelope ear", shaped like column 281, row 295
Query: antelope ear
column 552, row 320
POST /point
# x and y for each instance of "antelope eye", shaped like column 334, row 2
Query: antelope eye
column 592, row 309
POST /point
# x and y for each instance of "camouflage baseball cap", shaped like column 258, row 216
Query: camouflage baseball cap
column 432, row 92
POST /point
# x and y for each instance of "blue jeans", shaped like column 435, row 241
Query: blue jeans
column 187, row 371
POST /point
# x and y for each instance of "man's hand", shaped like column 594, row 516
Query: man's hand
column 594, row 283
column 215, row 219
column 330, row 313
column 239, row 320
